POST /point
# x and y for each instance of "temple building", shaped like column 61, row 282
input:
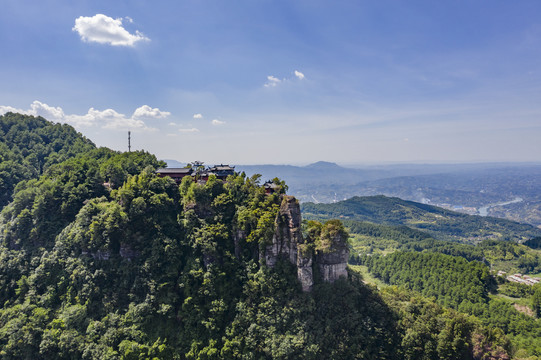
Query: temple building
column 271, row 187
column 220, row 171
column 199, row 173
column 175, row 173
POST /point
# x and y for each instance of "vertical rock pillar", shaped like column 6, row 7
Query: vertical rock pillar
column 286, row 241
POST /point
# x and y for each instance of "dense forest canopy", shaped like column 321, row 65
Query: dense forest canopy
column 30, row 145
column 149, row 269
column 467, row 287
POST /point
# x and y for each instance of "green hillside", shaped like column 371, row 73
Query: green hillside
column 468, row 287
column 30, row 145
column 439, row 223
column 500, row 255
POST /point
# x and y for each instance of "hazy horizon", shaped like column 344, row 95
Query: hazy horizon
column 372, row 164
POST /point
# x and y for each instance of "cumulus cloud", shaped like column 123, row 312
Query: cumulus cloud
column 106, row 119
column 106, row 30
column 49, row 112
column 146, row 112
column 191, row 130
column 217, row 122
column 110, row 119
column 299, row 75
column 197, row 116
column 272, row 81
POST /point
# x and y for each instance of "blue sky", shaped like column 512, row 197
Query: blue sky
column 282, row 81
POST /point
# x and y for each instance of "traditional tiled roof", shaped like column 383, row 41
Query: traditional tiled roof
column 221, row 170
column 186, row 171
column 222, row 167
column 271, row 185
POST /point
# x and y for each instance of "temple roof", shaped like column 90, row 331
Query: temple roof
column 175, row 171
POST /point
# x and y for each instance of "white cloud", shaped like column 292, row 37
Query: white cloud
column 146, row 112
column 114, row 120
column 217, row 122
column 49, row 112
column 172, row 124
column 191, row 130
column 106, row 30
column 37, row 108
column 5, row 109
column 272, row 81
column 106, row 119
column 197, row 116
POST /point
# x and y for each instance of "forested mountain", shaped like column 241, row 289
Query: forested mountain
column 31, row 145
column 151, row 270
column 102, row 259
column 439, row 223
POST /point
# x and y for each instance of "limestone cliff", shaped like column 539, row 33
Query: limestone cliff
column 332, row 260
column 287, row 234
column 328, row 253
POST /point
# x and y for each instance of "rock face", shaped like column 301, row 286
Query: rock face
column 332, row 264
column 288, row 243
column 288, row 233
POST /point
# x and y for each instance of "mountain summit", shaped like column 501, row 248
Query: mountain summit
column 324, row 165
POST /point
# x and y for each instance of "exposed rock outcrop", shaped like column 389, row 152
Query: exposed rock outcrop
column 288, row 233
column 333, row 262
column 288, row 243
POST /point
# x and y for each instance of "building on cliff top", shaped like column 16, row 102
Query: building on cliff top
column 271, row 188
column 175, row 173
column 220, row 171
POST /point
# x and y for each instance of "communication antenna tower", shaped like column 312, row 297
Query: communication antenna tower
column 129, row 141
